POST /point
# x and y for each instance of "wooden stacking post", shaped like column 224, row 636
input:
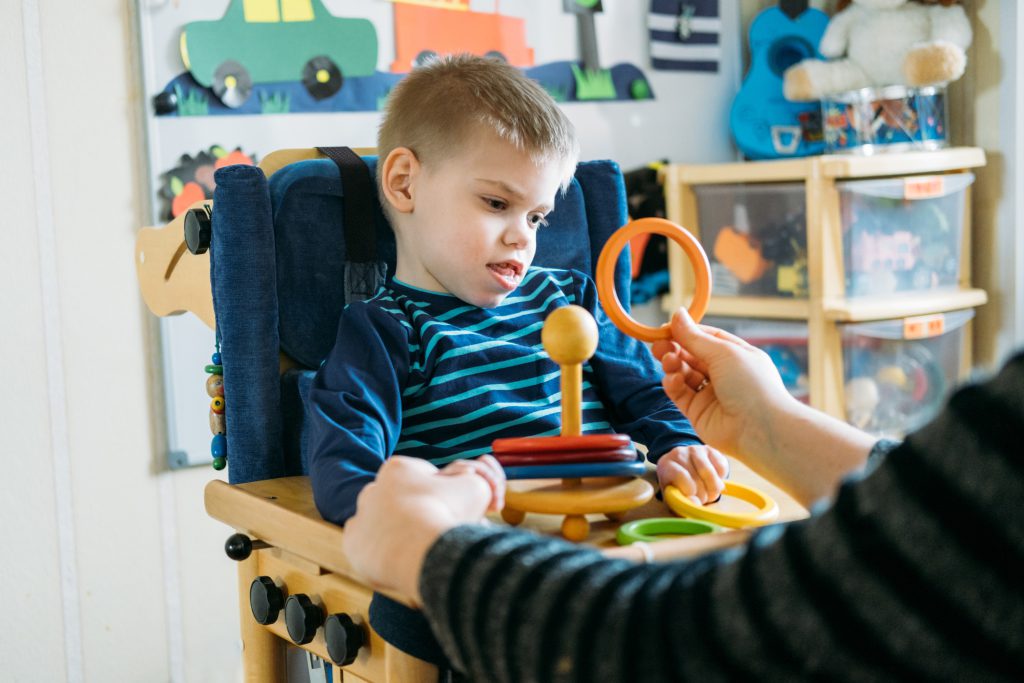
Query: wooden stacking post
column 570, row 337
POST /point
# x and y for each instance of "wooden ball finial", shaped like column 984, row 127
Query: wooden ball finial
column 569, row 335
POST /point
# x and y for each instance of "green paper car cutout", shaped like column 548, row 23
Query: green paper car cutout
column 263, row 41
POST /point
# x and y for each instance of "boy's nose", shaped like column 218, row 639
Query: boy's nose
column 517, row 234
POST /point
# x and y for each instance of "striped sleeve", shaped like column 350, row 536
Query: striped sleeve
column 915, row 573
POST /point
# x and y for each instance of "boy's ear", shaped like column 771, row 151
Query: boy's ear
column 400, row 170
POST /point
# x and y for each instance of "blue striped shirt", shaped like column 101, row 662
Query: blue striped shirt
column 426, row 375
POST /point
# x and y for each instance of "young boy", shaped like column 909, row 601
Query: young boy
column 447, row 356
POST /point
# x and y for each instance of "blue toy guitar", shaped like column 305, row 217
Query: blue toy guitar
column 764, row 124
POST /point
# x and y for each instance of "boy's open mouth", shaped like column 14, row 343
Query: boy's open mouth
column 508, row 273
column 507, row 268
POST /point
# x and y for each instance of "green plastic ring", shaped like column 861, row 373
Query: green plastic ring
column 215, row 369
column 655, row 529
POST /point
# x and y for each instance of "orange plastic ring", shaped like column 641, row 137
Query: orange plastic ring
column 606, row 275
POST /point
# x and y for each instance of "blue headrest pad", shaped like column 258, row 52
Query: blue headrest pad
column 307, row 208
column 310, row 252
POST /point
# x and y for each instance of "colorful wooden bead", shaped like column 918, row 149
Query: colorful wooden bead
column 215, row 369
column 217, row 422
column 215, row 386
column 216, row 358
column 217, row 404
column 219, row 451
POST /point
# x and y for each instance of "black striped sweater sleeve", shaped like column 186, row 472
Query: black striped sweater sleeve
column 915, row 573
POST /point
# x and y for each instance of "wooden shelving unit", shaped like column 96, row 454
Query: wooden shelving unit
column 826, row 307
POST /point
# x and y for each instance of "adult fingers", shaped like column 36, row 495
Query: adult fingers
column 671, row 362
column 692, row 337
column 725, row 336
column 663, row 346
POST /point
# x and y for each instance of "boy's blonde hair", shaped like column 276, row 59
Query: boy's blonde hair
column 437, row 108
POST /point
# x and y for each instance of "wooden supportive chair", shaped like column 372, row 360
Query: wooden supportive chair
column 275, row 258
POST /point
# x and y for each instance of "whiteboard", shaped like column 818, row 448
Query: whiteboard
column 687, row 121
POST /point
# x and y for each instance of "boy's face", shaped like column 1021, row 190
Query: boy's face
column 472, row 228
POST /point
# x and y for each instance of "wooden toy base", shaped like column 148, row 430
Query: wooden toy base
column 574, row 498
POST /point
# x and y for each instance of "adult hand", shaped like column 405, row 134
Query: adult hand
column 400, row 515
column 734, row 398
column 728, row 389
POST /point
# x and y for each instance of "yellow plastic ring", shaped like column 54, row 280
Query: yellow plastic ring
column 767, row 508
column 606, row 275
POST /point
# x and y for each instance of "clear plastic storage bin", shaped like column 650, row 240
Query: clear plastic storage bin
column 756, row 238
column 784, row 341
column 902, row 235
column 899, row 372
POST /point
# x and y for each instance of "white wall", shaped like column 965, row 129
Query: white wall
column 101, row 554
column 989, row 113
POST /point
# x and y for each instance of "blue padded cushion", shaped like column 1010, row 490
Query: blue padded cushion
column 244, row 283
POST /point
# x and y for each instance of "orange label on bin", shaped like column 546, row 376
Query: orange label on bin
column 924, row 187
column 924, row 326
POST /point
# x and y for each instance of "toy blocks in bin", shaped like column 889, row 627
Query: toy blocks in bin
column 756, row 238
column 896, row 373
column 902, row 235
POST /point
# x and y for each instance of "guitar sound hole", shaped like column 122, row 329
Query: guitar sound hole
column 786, row 52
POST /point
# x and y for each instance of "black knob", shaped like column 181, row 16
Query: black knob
column 238, row 547
column 265, row 600
column 344, row 638
column 165, row 103
column 302, row 618
column 198, row 229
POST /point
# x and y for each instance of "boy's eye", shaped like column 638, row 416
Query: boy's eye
column 495, row 204
column 537, row 220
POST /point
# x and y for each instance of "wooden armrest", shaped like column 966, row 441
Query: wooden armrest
column 281, row 513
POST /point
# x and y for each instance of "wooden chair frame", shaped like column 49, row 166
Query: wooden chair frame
column 295, row 546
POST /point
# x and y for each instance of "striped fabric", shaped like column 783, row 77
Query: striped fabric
column 915, row 574
column 684, row 35
column 424, row 374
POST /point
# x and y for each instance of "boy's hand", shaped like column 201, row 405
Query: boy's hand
column 698, row 472
column 487, row 467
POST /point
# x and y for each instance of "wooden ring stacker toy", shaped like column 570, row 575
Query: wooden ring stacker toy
column 768, row 509
column 606, row 275
column 766, row 513
column 569, row 336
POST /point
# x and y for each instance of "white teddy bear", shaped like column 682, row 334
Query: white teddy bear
column 872, row 43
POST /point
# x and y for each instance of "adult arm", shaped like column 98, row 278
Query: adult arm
column 914, row 574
